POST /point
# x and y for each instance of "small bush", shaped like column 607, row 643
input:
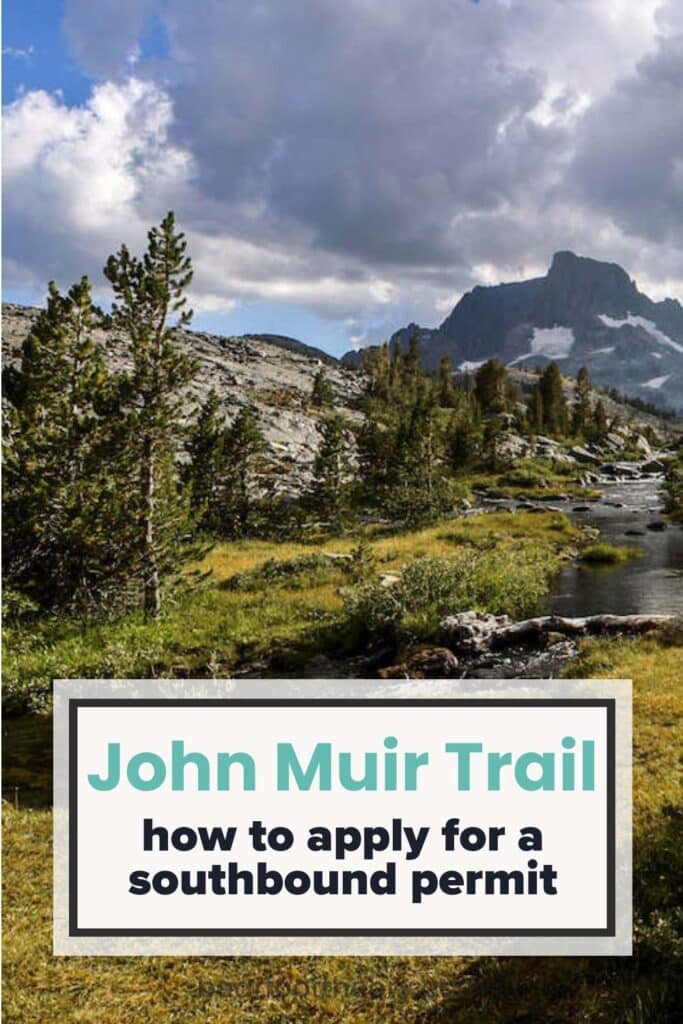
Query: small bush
column 17, row 607
column 501, row 581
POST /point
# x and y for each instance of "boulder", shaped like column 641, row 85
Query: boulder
column 427, row 662
column 388, row 579
column 642, row 445
column 581, row 454
column 470, row 632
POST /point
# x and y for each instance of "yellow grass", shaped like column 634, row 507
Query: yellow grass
column 441, row 540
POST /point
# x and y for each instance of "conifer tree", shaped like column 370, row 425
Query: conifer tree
column 493, row 428
column 555, row 418
column 412, row 362
column 490, row 386
column 375, row 444
column 445, row 385
column 61, row 499
column 149, row 305
column 581, row 413
column 206, row 450
column 463, row 437
column 395, row 371
column 243, row 448
column 536, row 415
column 600, row 425
column 331, row 470
column 321, row 392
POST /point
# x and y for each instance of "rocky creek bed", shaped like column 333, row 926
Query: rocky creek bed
column 642, row 594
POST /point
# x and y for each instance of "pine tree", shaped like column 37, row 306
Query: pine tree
column 445, row 384
column 331, row 470
column 463, row 439
column 416, row 484
column 536, row 413
column 555, row 417
column 490, row 386
column 581, row 413
column 149, row 305
column 412, row 363
column 395, row 372
column 600, row 425
column 206, row 450
column 243, row 448
column 375, row 442
column 376, row 364
column 493, row 428
column 61, row 501
column 321, row 392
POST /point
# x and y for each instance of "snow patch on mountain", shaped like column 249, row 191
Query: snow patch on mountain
column 551, row 342
column 657, row 382
column 607, row 351
column 647, row 325
column 468, row 365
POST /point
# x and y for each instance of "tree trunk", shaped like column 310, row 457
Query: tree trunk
column 152, row 590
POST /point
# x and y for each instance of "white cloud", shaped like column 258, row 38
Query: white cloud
column 18, row 52
column 79, row 180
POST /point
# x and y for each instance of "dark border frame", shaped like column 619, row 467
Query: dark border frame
column 609, row 931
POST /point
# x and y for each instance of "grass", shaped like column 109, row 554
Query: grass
column 537, row 480
column 41, row 989
column 276, row 622
column 609, row 554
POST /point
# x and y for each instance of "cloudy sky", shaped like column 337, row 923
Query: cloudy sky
column 341, row 168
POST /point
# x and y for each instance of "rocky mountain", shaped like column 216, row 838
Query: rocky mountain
column 272, row 373
column 583, row 312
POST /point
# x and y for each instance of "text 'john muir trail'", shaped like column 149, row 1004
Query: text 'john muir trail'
column 323, row 768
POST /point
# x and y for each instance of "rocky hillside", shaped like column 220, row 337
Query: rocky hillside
column 274, row 374
column 583, row 312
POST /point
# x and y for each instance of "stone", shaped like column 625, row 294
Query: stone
column 429, row 662
column 653, row 466
column 582, row 454
column 388, row 579
column 470, row 632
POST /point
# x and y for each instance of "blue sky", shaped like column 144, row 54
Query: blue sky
column 342, row 169
column 32, row 28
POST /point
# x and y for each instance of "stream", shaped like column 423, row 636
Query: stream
column 651, row 584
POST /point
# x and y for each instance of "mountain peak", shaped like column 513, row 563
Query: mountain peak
column 583, row 312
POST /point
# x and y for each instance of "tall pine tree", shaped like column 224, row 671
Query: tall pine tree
column 581, row 413
column 149, row 306
column 206, row 467
column 243, row 447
